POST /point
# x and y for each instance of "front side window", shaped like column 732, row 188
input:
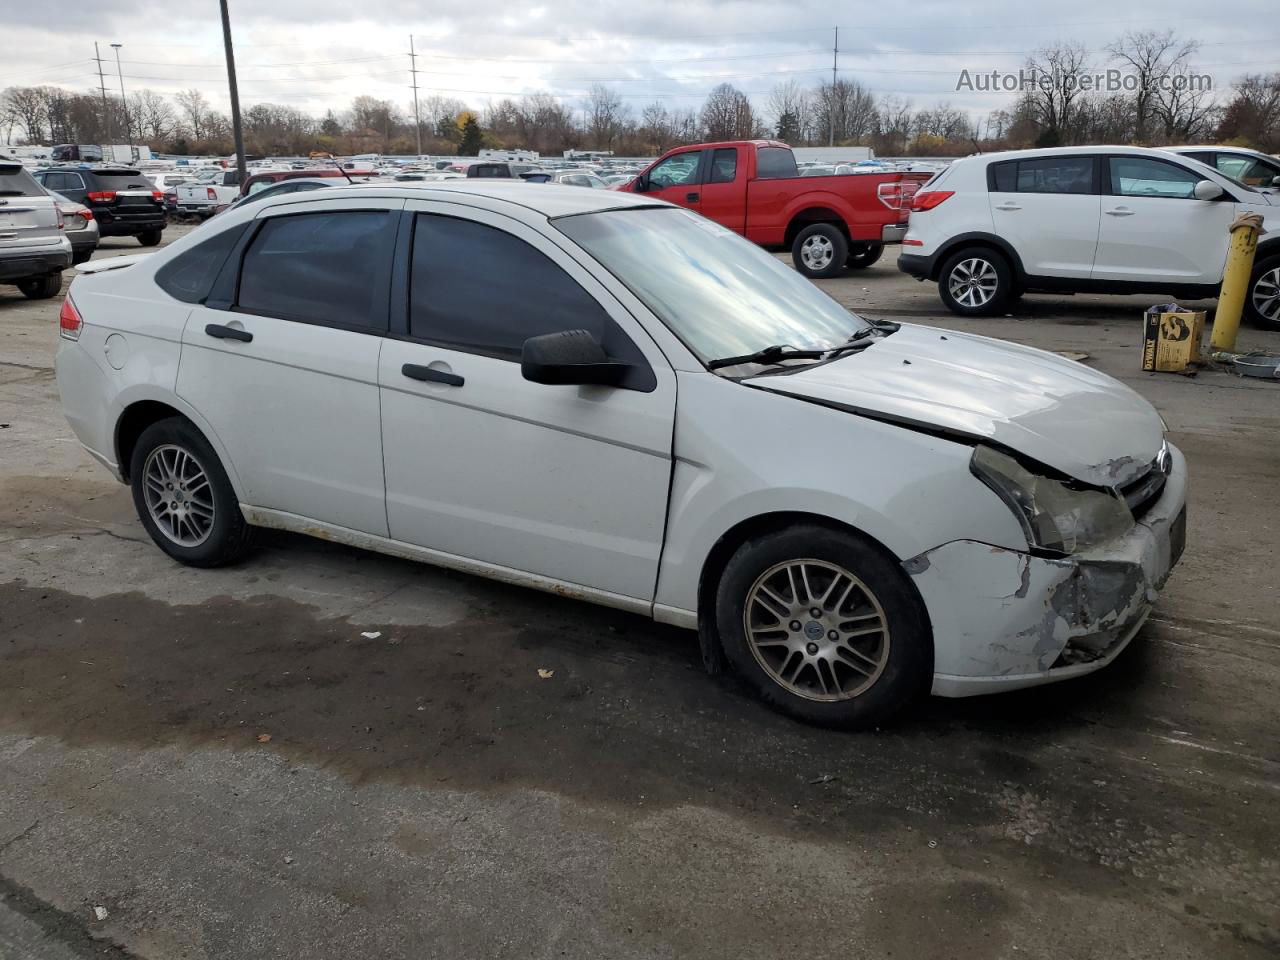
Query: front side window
column 724, row 166
column 676, row 171
column 1144, row 177
column 1251, row 171
column 479, row 289
column 330, row 268
column 720, row 294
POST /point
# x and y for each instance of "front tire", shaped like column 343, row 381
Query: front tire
column 150, row 238
column 825, row 626
column 819, row 251
column 1262, row 304
column 976, row 282
column 183, row 496
column 864, row 256
column 41, row 288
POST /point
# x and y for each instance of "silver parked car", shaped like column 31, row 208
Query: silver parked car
column 80, row 225
column 33, row 248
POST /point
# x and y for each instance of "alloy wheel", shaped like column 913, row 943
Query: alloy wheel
column 973, row 282
column 817, row 630
column 1266, row 295
column 178, row 494
column 817, row 252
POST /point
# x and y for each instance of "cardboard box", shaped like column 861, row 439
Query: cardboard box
column 1171, row 338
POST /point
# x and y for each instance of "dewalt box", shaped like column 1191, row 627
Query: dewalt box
column 1171, row 338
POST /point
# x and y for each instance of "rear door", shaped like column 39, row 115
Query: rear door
column 1153, row 227
column 28, row 215
column 678, row 179
column 724, row 196
column 1048, row 209
column 282, row 359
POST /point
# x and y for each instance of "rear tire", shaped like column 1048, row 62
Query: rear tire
column 41, row 288
column 976, row 282
column 864, row 256
column 865, row 655
column 183, row 496
column 81, row 257
column 150, row 238
column 819, row 251
column 1262, row 302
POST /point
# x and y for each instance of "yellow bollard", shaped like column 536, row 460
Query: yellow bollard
column 1235, row 280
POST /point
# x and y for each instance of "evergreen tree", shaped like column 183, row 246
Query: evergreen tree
column 472, row 137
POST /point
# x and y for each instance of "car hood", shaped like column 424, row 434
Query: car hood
column 1057, row 411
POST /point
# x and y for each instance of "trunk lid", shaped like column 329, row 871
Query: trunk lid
column 28, row 215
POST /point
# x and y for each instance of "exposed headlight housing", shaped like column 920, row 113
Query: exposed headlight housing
column 1061, row 516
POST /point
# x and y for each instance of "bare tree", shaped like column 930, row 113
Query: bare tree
column 1057, row 89
column 195, row 112
column 152, row 114
column 845, row 111
column 727, row 114
column 28, row 107
column 606, row 115
column 1152, row 56
column 789, row 107
column 893, row 122
column 1253, row 115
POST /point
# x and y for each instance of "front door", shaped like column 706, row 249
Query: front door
column 565, row 482
column 287, row 373
column 1153, row 227
column 677, row 179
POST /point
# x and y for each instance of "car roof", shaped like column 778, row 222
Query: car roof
column 1218, row 148
column 550, row 200
column 1066, row 151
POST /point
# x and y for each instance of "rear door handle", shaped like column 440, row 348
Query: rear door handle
column 227, row 333
column 690, row 198
column 416, row 372
column 1008, row 206
column 1120, row 212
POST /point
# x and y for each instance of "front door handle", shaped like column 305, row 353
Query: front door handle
column 690, row 198
column 417, row 372
column 1120, row 212
column 227, row 333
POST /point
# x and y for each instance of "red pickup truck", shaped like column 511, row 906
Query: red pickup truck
column 754, row 188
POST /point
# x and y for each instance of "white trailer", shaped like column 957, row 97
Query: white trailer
column 834, row 154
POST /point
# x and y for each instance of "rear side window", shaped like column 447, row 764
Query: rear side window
column 481, row 290
column 1072, row 175
column 16, row 182
column 724, row 166
column 775, row 163
column 331, row 269
column 189, row 276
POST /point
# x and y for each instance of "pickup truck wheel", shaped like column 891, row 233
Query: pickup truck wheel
column 1262, row 305
column 150, row 238
column 819, row 251
column 41, row 288
column 864, row 256
column 976, row 282
column 824, row 625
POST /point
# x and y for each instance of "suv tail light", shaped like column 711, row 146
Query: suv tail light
column 211, row 193
column 897, row 196
column 157, row 196
column 103, row 196
column 929, row 199
column 69, row 322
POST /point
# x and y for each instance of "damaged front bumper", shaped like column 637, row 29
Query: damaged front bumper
column 1005, row 619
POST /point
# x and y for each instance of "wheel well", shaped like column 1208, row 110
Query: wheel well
column 990, row 243
column 811, row 216
column 136, row 418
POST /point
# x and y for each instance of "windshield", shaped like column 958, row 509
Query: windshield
column 721, row 295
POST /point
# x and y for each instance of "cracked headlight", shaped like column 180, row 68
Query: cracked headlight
column 1058, row 515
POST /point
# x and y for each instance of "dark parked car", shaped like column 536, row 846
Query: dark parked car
column 124, row 202
column 502, row 169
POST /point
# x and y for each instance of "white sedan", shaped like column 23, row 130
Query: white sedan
column 617, row 400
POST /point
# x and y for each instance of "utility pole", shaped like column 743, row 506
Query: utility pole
column 413, row 74
column 831, row 104
column 237, row 131
column 102, row 85
column 124, row 104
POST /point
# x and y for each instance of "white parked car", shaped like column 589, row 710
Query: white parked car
column 1250, row 167
column 639, row 408
column 1085, row 220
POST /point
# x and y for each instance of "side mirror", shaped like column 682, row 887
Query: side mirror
column 642, row 183
column 1275, row 181
column 1207, row 190
column 570, row 357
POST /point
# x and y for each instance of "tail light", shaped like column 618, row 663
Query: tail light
column 897, row 196
column 69, row 322
column 86, row 213
column 929, row 199
column 211, row 193
column 103, row 196
column 157, row 196
column 62, row 221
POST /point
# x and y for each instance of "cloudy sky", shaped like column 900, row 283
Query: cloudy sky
column 318, row 54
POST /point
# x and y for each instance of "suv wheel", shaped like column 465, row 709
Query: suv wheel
column 864, row 256
column 150, row 238
column 1262, row 304
column 41, row 288
column 183, row 496
column 819, row 251
column 976, row 282
column 824, row 626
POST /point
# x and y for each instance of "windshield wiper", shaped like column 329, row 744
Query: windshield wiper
column 779, row 351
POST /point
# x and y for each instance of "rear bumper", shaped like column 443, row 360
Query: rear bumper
column 893, row 232
column 20, row 266
column 114, row 224
column 915, row 265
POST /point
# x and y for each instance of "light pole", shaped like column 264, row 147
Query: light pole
column 237, row 131
column 124, row 104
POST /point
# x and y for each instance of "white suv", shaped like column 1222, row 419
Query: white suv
column 1085, row 220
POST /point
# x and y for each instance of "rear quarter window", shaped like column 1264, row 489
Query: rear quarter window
column 189, row 276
